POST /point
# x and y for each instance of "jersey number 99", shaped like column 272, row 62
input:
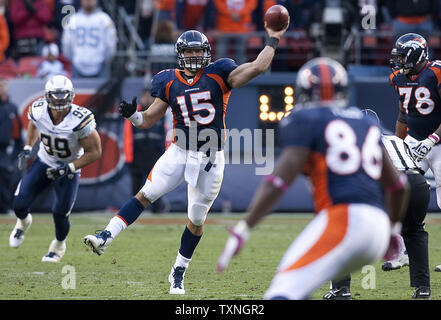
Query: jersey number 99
column 58, row 147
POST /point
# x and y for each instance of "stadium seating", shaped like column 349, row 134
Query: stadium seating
column 8, row 69
column 28, row 66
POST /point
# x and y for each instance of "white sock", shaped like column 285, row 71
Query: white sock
column 115, row 226
column 181, row 261
column 23, row 224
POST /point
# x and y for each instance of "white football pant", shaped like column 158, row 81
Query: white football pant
column 338, row 240
column 177, row 165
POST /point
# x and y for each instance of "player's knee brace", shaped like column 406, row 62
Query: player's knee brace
column 197, row 213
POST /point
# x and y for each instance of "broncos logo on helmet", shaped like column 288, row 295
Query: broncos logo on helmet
column 322, row 81
column 409, row 50
column 193, row 39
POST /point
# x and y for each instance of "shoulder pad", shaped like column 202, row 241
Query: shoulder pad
column 36, row 109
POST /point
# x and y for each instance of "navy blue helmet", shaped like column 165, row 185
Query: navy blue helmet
column 322, row 80
column 193, row 39
column 409, row 50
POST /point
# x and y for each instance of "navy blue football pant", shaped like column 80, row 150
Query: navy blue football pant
column 65, row 192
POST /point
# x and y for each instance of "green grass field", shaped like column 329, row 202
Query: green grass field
column 137, row 264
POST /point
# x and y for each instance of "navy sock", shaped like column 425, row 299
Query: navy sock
column 62, row 226
column 131, row 210
column 188, row 243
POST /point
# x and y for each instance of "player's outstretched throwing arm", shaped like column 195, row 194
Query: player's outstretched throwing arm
column 247, row 71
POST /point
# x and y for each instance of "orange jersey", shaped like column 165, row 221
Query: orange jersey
column 226, row 8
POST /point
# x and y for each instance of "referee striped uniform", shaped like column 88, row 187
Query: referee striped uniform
column 399, row 153
column 414, row 235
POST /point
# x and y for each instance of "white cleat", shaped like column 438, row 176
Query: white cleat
column 98, row 243
column 57, row 249
column 176, row 279
column 17, row 235
column 401, row 261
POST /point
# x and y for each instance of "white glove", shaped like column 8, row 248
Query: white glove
column 238, row 236
column 420, row 151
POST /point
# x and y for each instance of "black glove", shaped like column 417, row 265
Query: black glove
column 59, row 172
column 23, row 158
column 126, row 110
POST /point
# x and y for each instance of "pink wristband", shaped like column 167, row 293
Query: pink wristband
column 434, row 136
column 277, row 182
column 399, row 184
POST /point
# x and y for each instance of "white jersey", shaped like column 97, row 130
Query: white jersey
column 89, row 40
column 399, row 153
column 60, row 143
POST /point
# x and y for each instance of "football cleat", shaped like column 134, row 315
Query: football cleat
column 17, row 235
column 100, row 242
column 57, row 249
column 438, row 268
column 401, row 261
column 421, row 293
column 343, row 293
column 176, row 279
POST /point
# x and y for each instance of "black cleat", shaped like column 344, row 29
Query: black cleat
column 343, row 293
column 421, row 293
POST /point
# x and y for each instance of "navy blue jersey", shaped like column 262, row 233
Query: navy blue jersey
column 345, row 159
column 198, row 105
column 420, row 97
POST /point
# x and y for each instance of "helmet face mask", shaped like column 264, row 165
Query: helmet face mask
column 193, row 40
column 59, row 93
column 321, row 81
column 409, row 51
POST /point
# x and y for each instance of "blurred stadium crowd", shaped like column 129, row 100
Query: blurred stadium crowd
column 35, row 40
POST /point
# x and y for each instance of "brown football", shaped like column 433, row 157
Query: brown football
column 277, row 17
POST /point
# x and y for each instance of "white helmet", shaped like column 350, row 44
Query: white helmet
column 59, row 92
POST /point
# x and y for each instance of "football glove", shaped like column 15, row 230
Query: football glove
column 126, row 109
column 420, row 151
column 239, row 235
column 61, row 171
column 23, row 158
column 394, row 249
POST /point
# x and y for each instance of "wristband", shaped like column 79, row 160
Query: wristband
column 27, row 147
column 399, row 184
column 71, row 167
column 273, row 42
column 434, row 137
column 136, row 118
column 277, row 182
